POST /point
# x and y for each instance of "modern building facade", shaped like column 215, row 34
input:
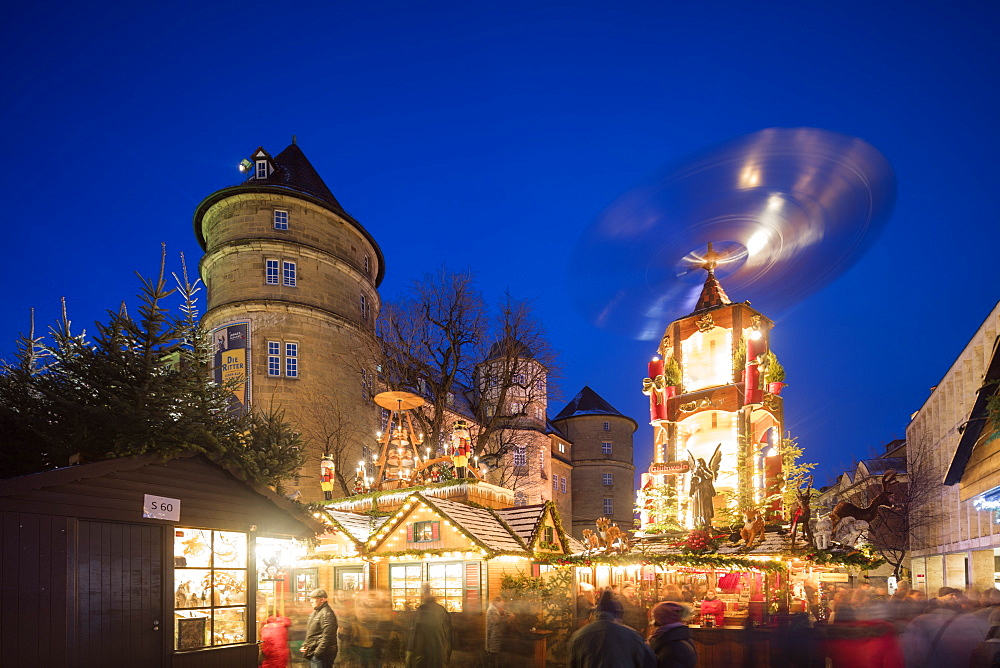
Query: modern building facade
column 952, row 447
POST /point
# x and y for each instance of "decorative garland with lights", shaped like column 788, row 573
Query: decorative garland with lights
column 863, row 559
column 691, row 560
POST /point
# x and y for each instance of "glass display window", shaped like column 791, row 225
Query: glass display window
column 446, row 585
column 404, row 586
column 210, row 588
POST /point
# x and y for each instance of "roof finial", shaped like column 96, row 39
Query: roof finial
column 711, row 259
column 293, row 140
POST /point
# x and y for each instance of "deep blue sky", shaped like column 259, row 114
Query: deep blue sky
column 492, row 134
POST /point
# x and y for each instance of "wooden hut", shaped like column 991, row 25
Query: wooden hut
column 139, row 561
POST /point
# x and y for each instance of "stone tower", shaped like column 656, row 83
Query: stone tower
column 709, row 403
column 602, row 460
column 292, row 284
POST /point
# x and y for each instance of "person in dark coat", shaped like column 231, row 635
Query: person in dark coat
column 671, row 641
column 320, row 645
column 607, row 643
column 428, row 644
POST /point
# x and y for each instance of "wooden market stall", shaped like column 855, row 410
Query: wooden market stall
column 139, row 561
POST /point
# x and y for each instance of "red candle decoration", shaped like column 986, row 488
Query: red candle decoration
column 655, row 368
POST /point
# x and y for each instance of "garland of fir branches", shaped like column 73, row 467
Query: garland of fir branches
column 690, row 560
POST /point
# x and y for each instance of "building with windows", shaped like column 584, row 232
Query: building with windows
column 953, row 461
column 292, row 300
column 292, row 282
column 601, row 461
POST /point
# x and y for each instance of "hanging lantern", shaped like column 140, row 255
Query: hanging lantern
column 326, row 471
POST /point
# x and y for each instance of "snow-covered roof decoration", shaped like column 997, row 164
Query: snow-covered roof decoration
column 360, row 527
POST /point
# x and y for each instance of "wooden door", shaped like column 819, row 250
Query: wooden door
column 119, row 615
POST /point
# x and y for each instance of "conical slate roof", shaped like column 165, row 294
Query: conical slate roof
column 509, row 346
column 293, row 170
column 292, row 174
column 587, row 402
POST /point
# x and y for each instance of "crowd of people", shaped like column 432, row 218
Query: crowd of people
column 847, row 628
column 843, row 627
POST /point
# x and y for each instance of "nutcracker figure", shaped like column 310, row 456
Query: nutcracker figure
column 461, row 448
column 326, row 470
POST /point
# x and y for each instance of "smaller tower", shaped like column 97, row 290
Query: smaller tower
column 601, row 453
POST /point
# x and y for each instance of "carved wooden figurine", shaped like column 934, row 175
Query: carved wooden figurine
column 753, row 529
column 867, row 514
column 823, row 531
column 803, row 512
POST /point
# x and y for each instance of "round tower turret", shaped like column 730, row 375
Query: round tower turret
column 294, row 276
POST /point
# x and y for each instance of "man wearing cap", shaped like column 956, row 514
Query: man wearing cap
column 320, row 646
column 607, row 643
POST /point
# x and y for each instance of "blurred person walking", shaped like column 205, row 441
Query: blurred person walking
column 607, row 643
column 671, row 639
column 497, row 625
column 429, row 642
column 945, row 636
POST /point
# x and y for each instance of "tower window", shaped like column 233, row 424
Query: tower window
column 368, row 265
column 607, row 426
column 288, row 273
column 271, row 272
column 562, row 484
column 609, row 506
column 273, row 358
column 520, row 457
column 555, row 483
column 562, row 447
column 605, row 447
column 608, row 478
column 261, row 171
column 520, row 499
column 280, row 220
column 364, row 307
column 518, row 379
column 290, row 363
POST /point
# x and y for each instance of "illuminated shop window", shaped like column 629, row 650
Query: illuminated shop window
column 210, row 588
column 445, row 581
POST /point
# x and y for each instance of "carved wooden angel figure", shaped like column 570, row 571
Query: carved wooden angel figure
column 703, row 487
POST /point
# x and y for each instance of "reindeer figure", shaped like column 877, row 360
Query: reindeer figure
column 753, row 529
column 613, row 535
column 592, row 540
column 867, row 514
column 803, row 512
